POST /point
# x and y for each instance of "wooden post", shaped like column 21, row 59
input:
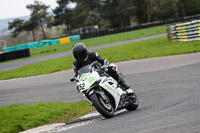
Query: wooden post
column 169, row 33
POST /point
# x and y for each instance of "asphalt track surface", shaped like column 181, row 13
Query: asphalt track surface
column 168, row 89
column 169, row 103
column 21, row 63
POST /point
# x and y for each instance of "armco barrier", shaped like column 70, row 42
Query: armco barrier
column 64, row 40
column 9, row 49
column 41, row 43
column 75, row 38
column 14, row 55
column 50, row 42
column 33, row 45
column 55, row 42
column 22, row 46
column 189, row 31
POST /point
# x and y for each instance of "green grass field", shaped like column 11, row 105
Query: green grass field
column 18, row 118
column 132, row 51
column 99, row 40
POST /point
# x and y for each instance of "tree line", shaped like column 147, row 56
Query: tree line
column 104, row 13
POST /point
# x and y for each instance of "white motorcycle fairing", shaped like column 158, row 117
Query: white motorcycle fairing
column 107, row 83
column 110, row 85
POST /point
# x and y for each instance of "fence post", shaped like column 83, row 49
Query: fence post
column 169, row 33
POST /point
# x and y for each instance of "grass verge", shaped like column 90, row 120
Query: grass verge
column 22, row 117
column 138, row 50
column 94, row 42
column 99, row 40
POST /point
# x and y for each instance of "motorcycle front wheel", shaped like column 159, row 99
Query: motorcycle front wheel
column 105, row 108
column 133, row 102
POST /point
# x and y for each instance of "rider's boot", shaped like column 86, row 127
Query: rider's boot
column 124, row 84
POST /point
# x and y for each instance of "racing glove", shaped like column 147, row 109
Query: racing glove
column 106, row 64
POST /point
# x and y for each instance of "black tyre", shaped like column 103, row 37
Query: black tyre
column 105, row 109
column 133, row 103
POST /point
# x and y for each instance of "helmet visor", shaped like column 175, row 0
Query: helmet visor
column 81, row 55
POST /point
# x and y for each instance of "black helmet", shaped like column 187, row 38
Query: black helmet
column 80, row 52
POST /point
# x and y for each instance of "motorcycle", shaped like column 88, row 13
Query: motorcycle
column 105, row 94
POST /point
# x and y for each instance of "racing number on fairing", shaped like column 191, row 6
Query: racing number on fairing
column 82, row 86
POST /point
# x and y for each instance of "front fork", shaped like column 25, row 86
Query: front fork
column 101, row 93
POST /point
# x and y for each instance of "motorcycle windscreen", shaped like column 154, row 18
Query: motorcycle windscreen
column 85, row 69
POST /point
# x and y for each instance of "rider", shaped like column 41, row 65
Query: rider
column 83, row 57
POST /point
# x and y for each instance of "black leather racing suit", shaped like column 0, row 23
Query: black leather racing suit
column 94, row 56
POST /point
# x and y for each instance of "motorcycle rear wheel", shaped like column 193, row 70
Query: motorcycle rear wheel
column 105, row 109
